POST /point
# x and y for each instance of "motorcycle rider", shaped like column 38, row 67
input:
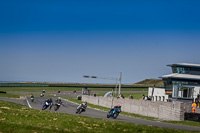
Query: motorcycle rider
column 50, row 102
column 116, row 107
column 58, row 100
column 32, row 97
column 114, row 112
column 42, row 94
column 83, row 105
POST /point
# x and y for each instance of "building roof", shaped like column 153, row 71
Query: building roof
column 185, row 65
column 181, row 76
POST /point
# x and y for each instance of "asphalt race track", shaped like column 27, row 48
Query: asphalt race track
column 70, row 108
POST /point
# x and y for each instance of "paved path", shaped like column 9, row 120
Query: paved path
column 70, row 108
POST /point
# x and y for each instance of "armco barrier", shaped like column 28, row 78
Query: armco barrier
column 192, row 117
column 162, row 110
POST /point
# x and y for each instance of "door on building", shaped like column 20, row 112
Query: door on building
column 187, row 92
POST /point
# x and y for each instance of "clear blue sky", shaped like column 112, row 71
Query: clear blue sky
column 60, row 41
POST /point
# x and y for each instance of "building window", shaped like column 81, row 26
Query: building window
column 184, row 70
column 183, row 92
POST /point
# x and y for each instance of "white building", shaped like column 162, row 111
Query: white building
column 159, row 94
column 182, row 85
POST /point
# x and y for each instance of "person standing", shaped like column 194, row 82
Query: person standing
column 194, row 105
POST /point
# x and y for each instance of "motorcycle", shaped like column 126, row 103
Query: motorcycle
column 57, row 106
column 32, row 99
column 80, row 109
column 45, row 105
column 42, row 94
column 114, row 112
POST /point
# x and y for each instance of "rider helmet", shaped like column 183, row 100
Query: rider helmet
column 50, row 100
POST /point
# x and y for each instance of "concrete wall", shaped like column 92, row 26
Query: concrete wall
column 162, row 110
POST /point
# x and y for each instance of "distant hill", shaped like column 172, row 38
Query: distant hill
column 150, row 82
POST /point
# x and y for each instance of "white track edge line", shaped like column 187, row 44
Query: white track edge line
column 28, row 102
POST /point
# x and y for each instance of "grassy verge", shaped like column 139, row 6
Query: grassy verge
column 135, row 95
column 9, row 95
column 20, row 119
column 189, row 123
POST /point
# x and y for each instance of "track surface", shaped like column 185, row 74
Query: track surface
column 70, row 108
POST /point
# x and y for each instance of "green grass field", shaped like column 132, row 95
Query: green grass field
column 39, row 89
column 16, row 92
column 16, row 118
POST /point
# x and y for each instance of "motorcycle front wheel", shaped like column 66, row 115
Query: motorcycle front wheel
column 56, row 107
column 77, row 111
column 108, row 115
column 115, row 115
column 80, row 111
column 44, row 107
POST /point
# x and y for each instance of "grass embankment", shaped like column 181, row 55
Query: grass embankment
column 150, row 82
column 20, row 119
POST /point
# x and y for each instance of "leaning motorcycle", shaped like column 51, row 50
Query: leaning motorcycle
column 57, row 106
column 45, row 105
column 80, row 109
column 114, row 112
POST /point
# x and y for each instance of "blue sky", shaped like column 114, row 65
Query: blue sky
column 59, row 41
